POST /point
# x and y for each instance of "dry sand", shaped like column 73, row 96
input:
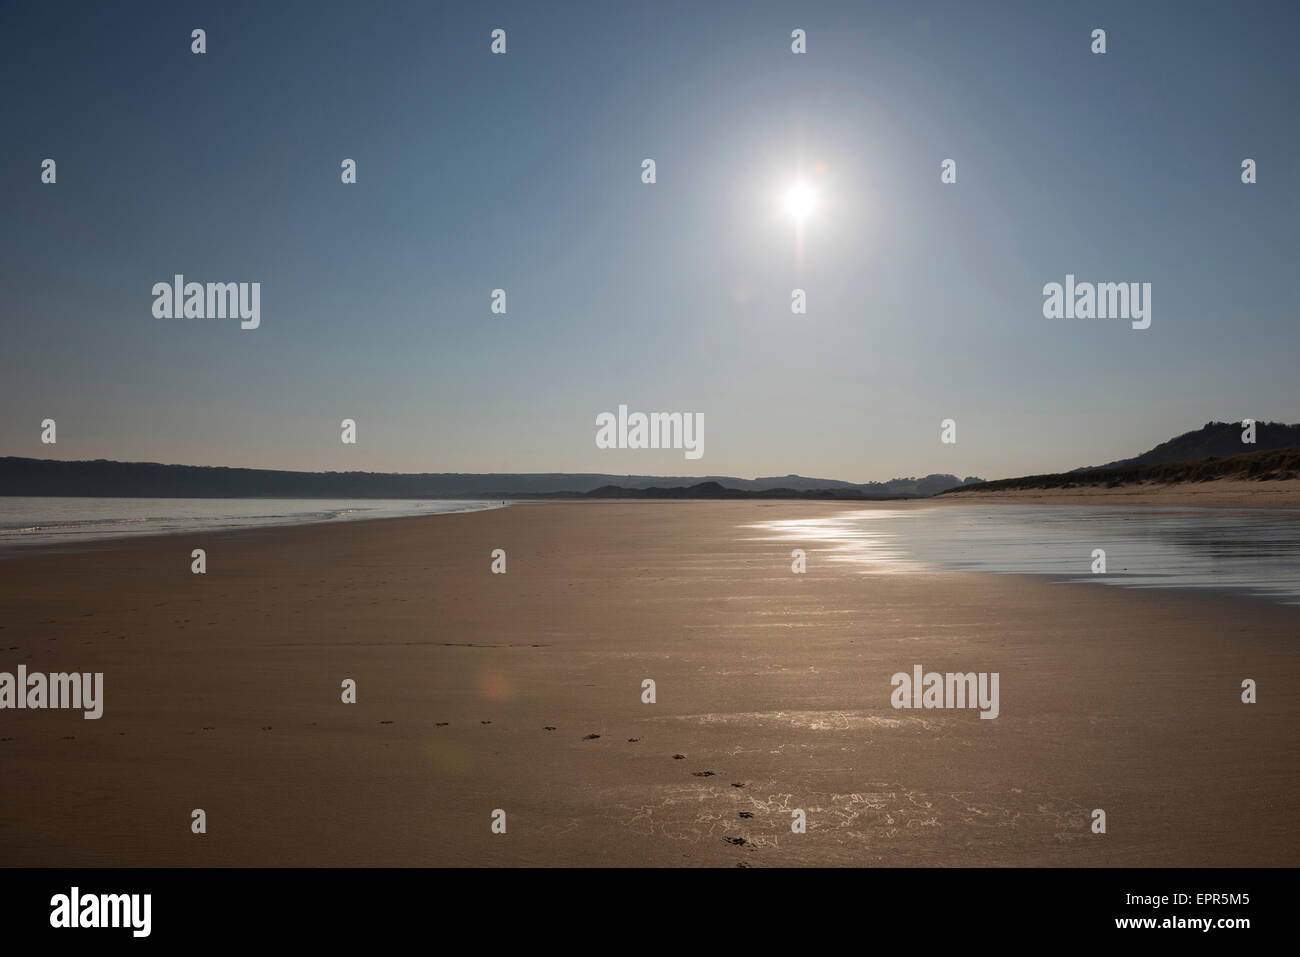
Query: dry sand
column 222, row 693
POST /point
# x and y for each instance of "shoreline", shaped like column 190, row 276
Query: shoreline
column 12, row 542
column 1281, row 496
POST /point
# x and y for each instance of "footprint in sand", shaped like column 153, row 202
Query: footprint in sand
column 679, row 757
column 737, row 841
column 746, row 814
column 701, row 774
column 549, row 728
column 485, row 722
column 385, row 722
column 633, row 740
column 591, row 737
column 735, row 785
column 442, row 724
column 266, row 727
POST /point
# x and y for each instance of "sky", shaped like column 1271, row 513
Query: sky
column 523, row 172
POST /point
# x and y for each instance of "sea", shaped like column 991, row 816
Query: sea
column 28, row 522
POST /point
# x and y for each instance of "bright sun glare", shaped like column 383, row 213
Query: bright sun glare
column 799, row 201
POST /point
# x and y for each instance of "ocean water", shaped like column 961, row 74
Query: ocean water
column 30, row 521
column 1247, row 551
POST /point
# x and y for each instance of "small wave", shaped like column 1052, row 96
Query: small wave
column 21, row 531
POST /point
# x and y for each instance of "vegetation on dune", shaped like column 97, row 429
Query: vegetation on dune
column 1268, row 465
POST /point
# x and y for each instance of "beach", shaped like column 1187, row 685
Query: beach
column 523, row 692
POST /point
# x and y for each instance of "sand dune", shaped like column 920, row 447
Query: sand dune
column 1220, row 493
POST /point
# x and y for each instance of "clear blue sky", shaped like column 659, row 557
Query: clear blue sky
column 523, row 172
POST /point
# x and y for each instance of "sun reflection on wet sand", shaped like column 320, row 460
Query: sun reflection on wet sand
column 863, row 538
column 1253, row 552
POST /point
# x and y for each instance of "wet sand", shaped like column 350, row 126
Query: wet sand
column 522, row 692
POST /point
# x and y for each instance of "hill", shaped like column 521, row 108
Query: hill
column 1212, row 440
column 101, row 478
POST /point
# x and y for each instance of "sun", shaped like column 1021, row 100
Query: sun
column 800, row 200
